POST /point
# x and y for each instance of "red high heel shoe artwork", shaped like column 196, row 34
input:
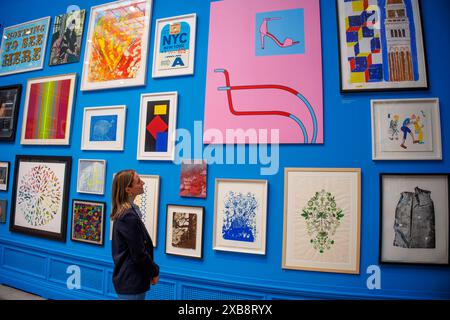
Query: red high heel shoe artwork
column 264, row 31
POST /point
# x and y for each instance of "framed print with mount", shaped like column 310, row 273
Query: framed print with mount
column 117, row 46
column 48, row 110
column 184, row 230
column 381, row 45
column 88, row 221
column 9, row 111
column 174, row 51
column 4, row 175
column 240, row 216
column 406, row 129
column 103, row 128
column 157, row 124
column 40, row 196
column 322, row 217
column 414, row 218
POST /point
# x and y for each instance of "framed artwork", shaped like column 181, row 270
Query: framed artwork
column 4, row 175
column 40, row 196
column 406, row 129
column 88, row 221
column 66, row 38
column 91, row 176
column 148, row 203
column 414, row 218
column 48, row 110
column 322, row 217
column 174, row 51
column 157, row 124
column 117, row 45
column 184, row 230
column 276, row 102
column 193, row 179
column 240, row 215
column 381, row 45
column 9, row 111
column 103, row 128
column 23, row 46
column 3, row 206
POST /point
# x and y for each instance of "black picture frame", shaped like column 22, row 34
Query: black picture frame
column 382, row 89
column 169, row 234
column 39, row 170
column 101, row 241
column 444, row 227
column 4, row 175
column 10, row 95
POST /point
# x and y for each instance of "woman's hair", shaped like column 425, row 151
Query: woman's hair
column 120, row 198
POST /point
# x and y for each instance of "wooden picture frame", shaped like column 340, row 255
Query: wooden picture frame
column 322, row 217
column 36, row 177
column 184, row 230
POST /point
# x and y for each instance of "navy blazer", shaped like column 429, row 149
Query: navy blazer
column 132, row 251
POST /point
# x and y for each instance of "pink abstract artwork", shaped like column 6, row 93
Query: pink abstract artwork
column 264, row 71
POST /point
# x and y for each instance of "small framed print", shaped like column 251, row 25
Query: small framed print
column 91, row 176
column 414, row 218
column 157, row 125
column 184, row 230
column 103, row 128
column 406, row 129
column 174, row 51
column 9, row 111
column 240, row 216
column 3, row 206
column 193, row 179
column 48, row 110
column 4, row 175
column 37, row 178
column 88, row 221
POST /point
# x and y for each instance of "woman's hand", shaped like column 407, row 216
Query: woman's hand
column 155, row 280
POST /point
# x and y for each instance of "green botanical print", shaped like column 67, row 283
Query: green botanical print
column 322, row 217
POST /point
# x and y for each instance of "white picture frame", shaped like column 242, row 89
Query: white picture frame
column 417, row 119
column 184, row 230
column 171, row 56
column 322, row 217
column 252, row 194
column 91, row 176
column 127, row 22
column 148, row 203
column 158, row 112
column 103, row 128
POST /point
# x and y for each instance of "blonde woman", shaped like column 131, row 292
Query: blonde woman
column 132, row 247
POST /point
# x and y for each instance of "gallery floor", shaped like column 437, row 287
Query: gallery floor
column 8, row 293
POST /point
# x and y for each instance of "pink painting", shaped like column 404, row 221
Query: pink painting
column 193, row 180
column 264, row 71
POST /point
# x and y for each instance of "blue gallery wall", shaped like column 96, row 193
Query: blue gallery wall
column 39, row 265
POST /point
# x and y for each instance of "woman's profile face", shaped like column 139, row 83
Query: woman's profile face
column 137, row 187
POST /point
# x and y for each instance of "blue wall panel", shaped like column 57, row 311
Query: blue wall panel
column 39, row 265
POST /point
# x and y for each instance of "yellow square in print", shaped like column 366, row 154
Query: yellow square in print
column 160, row 109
